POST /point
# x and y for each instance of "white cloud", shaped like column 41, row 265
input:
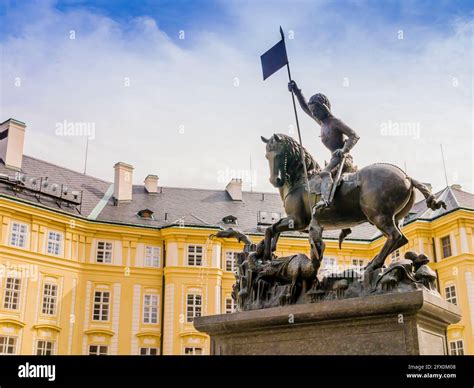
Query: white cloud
column 176, row 86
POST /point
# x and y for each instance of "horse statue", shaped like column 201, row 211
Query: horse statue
column 381, row 194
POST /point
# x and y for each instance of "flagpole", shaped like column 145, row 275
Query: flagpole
column 297, row 122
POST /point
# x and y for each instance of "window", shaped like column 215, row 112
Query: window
column 44, row 348
column 229, row 306
column 104, row 252
column 152, row 256
column 329, row 263
column 396, row 256
column 101, row 306
column 192, row 351
column 457, row 348
column 150, row 308
column 11, row 298
column 7, row 345
column 50, row 297
column 98, row 350
column 358, row 263
column 18, row 235
column 195, row 255
column 193, row 306
column 450, row 292
column 55, row 240
column 231, row 261
column 148, row 351
column 446, row 246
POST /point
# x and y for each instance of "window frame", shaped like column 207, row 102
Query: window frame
column 233, row 262
column 448, row 246
column 4, row 347
column 59, row 243
column 99, row 350
column 152, row 258
column 150, row 306
column 105, row 259
column 101, row 305
column 148, row 350
column 456, row 350
column 9, row 292
column 19, row 235
column 42, row 351
column 233, row 305
column 448, row 289
column 193, row 350
column 194, row 255
column 49, row 301
column 194, row 307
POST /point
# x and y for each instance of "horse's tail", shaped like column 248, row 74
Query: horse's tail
column 431, row 200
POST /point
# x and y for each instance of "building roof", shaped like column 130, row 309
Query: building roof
column 191, row 207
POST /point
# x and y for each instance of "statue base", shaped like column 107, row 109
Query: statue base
column 404, row 323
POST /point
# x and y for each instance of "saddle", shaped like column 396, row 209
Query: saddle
column 350, row 180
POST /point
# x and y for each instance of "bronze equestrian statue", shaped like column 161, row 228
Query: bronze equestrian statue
column 381, row 194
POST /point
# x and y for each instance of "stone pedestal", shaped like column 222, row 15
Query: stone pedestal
column 408, row 323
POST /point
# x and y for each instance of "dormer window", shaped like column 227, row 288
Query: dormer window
column 145, row 214
column 268, row 218
column 230, row 219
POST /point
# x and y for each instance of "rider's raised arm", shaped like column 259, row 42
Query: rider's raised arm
column 302, row 101
column 352, row 137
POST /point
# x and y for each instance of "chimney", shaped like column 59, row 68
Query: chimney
column 234, row 188
column 12, row 139
column 123, row 182
column 151, row 184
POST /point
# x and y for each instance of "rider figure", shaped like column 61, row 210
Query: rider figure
column 335, row 135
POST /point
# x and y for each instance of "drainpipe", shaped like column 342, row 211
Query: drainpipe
column 163, row 299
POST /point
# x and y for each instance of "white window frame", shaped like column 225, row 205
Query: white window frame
column 42, row 347
column 4, row 346
column 49, row 300
column 104, row 252
column 395, row 256
column 449, row 295
column 230, row 305
column 12, row 296
column 360, row 263
column 193, row 309
column 18, row 234
column 331, row 266
column 455, row 349
column 101, row 307
column 194, row 258
column 152, row 256
column 150, row 308
column 146, row 351
column 446, row 238
column 193, row 351
column 54, row 246
column 232, row 261
column 99, row 350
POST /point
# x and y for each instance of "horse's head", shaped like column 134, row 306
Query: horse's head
column 275, row 153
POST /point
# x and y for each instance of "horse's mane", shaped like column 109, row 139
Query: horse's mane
column 293, row 150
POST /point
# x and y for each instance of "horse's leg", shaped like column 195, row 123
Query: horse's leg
column 275, row 241
column 395, row 239
column 317, row 243
column 272, row 233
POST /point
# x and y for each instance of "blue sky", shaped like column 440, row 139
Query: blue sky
column 128, row 72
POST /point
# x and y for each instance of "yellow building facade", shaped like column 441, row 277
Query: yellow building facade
column 66, row 302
